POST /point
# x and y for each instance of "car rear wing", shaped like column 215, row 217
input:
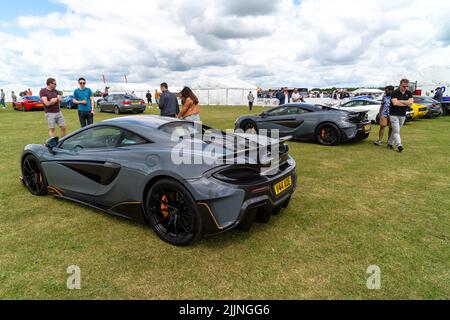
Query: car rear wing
column 259, row 150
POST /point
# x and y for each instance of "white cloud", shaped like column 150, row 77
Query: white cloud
column 273, row 43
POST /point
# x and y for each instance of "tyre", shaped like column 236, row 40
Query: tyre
column 363, row 136
column 285, row 204
column 33, row 176
column 117, row 110
column 140, row 111
column 328, row 134
column 23, row 108
column 249, row 126
column 263, row 215
column 276, row 211
column 173, row 214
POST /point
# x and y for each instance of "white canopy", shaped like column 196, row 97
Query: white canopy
column 368, row 91
column 129, row 87
column 434, row 76
column 222, row 83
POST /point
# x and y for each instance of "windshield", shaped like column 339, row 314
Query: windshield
column 183, row 129
column 33, row 98
column 132, row 97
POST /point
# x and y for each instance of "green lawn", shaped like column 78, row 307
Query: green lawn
column 357, row 205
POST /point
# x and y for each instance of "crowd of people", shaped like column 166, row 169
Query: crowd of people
column 84, row 98
column 395, row 103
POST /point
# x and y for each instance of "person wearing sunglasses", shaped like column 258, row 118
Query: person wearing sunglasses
column 84, row 98
column 52, row 103
column 401, row 99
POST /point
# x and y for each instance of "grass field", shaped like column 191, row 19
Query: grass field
column 357, row 205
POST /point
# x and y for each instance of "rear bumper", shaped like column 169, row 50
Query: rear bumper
column 357, row 132
column 253, row 200
column 34, row 108
column 434, row 113
column 130, row 108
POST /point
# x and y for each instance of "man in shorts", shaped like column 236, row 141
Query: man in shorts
column 384, row 114
column 51, row 100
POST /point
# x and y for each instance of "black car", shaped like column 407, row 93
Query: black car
column 327, row 126
column 121, row 103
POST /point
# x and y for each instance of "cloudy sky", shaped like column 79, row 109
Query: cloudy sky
column 307, row 43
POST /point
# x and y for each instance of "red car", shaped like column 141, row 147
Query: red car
column 29, row 103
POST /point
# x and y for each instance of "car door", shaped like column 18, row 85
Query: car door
column 373, row 109
column 130, row 159
column 79, row 166
column 109, row 102
column 286, row 119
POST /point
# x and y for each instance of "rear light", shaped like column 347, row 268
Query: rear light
column 261, row 190
column 142, row 102
column 127, row 102
column 358, row 117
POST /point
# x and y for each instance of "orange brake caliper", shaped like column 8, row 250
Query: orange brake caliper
column 164, row 207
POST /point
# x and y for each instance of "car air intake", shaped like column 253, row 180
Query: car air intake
column 241, row 175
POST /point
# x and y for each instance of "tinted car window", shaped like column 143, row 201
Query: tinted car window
column 294, row 111
column 368, row 103
column 131, row 97
column 130, row 139
column 102, row 137
column 352, row 104
column 278, row 112
column 32, row 98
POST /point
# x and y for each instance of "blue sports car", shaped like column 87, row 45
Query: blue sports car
column 67, row 102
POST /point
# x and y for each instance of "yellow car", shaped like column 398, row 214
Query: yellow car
column 419, row 111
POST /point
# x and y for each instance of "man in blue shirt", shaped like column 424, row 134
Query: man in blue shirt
column 384, row 114
column 84, row 97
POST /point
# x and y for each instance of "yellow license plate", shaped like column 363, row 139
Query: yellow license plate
column 40, row 105
column 367, row 127
column 136, row 103
column 283, row 185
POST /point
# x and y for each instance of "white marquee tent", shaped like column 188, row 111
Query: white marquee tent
column 220, row 91
column 368, row 91
column 428, row 79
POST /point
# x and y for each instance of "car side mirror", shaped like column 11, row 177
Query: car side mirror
column 51, row 144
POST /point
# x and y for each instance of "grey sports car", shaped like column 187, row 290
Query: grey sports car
column 125, row 167
column 323, row 124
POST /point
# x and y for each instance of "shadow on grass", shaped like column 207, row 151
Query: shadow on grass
column 220, row 241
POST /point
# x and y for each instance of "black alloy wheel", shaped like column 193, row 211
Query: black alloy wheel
column 33, row 176
column 328, row 135
column 173, row 214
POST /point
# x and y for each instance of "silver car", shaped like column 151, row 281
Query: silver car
column 121, row 103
